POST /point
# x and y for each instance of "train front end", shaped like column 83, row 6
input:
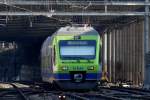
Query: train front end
column 77, row 61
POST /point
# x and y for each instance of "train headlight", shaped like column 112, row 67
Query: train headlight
column 64, row 68
column 90, row 68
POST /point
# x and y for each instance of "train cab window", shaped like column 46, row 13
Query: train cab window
column 77, row 49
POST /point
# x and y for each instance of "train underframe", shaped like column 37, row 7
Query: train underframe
column 67, row 84
column 77, row 80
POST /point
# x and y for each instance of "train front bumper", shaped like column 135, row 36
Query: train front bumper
column 70, row 76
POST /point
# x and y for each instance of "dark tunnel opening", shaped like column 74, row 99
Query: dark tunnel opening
column 20, row 58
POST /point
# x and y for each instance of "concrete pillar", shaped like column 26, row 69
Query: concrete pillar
column 146, row 48
column 104, row 54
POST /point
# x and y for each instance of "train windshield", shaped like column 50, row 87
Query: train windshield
column 77, row 49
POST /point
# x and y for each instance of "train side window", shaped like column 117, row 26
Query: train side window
column 100, row 54
column 51, row 56
column 54, row 56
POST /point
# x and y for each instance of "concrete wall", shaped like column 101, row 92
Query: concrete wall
column 125, row 52
column 20, row 62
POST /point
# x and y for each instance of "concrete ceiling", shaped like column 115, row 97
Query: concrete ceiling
column 42, row 26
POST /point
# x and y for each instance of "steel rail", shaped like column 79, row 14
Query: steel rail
column 141, row 97
column 75, row 97
column 127, row 90
column 102, row 96
column 132, row 91
column 2, row 94
column 139, row 90
column 24, row 97
column 127, row 93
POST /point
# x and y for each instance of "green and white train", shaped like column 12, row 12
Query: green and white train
column 70, row 58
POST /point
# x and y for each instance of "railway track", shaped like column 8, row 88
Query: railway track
column 35, row 92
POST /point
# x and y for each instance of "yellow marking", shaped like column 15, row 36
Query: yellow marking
column 104, row 74
column 51, row 79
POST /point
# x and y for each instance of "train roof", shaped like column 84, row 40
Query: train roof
column 72, row 30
